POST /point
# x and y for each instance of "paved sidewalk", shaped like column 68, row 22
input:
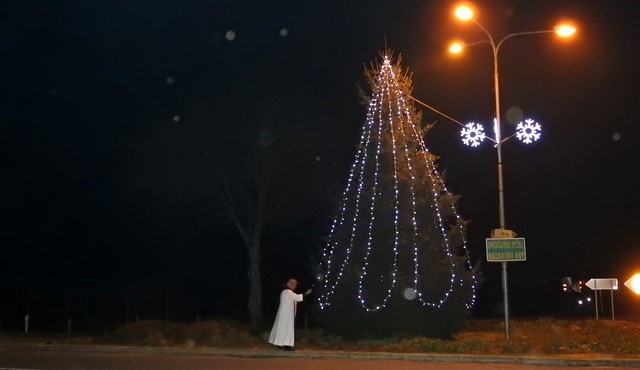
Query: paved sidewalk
column 569, row 360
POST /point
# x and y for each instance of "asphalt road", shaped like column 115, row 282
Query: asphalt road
column 37, row 359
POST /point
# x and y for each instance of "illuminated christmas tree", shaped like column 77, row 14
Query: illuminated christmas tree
column 396, row 260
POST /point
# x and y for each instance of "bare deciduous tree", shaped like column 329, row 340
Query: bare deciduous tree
column 249, row 203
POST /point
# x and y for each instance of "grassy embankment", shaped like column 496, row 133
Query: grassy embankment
column 541, row 336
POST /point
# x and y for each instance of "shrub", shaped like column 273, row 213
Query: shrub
column 214, row 333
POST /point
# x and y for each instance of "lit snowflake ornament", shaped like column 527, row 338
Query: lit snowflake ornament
column 529, row 131
column 472, row 134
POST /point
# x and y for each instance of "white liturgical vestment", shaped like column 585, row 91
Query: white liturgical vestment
column 282, row 333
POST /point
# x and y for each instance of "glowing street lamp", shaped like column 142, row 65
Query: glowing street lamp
column 634, row 283
column 473, row 133
column 456, row 47
column 464, row 12
column 564, row 30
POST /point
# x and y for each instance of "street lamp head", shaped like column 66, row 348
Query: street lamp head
column 564, row 30
column 463, row 12
column 456, row 47
column 634, row 283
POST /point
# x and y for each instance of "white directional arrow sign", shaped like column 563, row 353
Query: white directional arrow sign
column 601, row 284
column 610, row 284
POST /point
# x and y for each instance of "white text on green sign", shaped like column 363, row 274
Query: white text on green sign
column 506, row 249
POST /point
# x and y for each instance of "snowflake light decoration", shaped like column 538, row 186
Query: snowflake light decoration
column 473, row 134
column 529, row 131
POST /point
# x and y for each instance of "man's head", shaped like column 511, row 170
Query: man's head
column 292, row 284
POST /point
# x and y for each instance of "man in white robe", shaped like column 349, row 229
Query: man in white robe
column 282, row 333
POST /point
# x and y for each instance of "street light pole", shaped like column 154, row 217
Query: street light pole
column 464, row 12
column 498, row 134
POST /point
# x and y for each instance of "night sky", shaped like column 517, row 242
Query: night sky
column 114, row 117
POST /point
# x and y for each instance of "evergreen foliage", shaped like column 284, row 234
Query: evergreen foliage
column 396, row 260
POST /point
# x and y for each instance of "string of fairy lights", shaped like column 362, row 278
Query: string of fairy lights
column 370, row 125
column 388, row 112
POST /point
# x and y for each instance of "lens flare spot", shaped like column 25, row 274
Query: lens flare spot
column 409, row 294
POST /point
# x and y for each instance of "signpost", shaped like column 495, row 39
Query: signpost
column 503, row 247
column 602, row 284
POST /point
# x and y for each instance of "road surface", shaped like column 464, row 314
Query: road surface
column 34, row 359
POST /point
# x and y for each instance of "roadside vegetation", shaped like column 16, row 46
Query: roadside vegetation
column 531, row 337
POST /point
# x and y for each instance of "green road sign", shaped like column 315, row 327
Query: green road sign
column 506, row 249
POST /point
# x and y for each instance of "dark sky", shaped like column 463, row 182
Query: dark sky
column 113, row 115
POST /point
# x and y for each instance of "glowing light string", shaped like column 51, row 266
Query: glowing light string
column 388, row 96
column 329, row 252
column 436, row 176
column 370, row 242
column 415, row 137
